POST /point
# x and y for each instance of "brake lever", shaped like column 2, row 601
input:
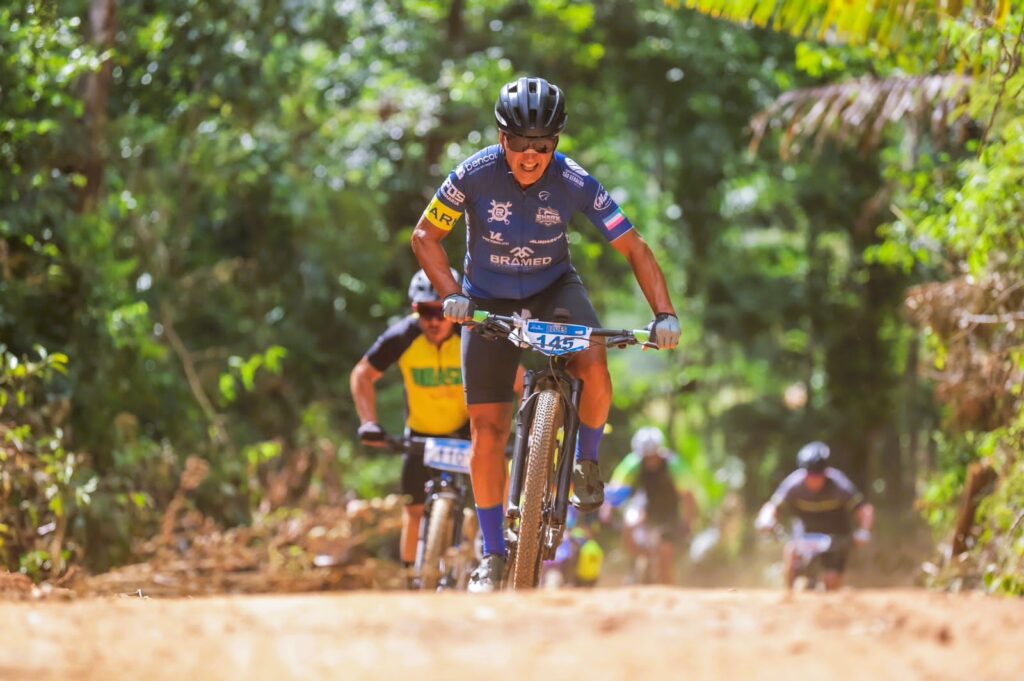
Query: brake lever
column 495, row 329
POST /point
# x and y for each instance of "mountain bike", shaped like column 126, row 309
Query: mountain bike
column 445, row 553
column 808, row 550
column 645, row 539
column 546, row 427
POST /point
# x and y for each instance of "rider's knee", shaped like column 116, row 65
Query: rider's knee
column 592, row 366
column 486, row 431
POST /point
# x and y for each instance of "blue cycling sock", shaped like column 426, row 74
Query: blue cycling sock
column 492, row 525
column 588, row 441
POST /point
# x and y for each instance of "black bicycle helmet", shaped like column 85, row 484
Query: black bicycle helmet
column 422, row 291
column 531, row 107
column 813, row 457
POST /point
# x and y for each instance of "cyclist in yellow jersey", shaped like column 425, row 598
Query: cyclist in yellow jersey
column 428, row 350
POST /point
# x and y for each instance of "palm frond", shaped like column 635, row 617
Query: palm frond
column 854, row 21
column 856, row 112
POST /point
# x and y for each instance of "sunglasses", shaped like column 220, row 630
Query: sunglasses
column 542, row 145
column 430, row 312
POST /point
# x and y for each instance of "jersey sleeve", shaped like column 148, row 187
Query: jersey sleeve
column 597, row 204
column 851, row 496
column 391, row 344
column 627, row 472
column 782, row 494
column 449, row 202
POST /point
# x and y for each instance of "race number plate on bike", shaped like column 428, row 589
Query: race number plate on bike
column 812, row 544
column 557, row 339
column 446, row 454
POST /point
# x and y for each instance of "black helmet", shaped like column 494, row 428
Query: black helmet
column 531, row 107
column 422, row 291
column 813, row 456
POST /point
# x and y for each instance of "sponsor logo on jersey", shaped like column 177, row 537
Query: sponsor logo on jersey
column 602, row 200
column 575, row 166
column 495, row 238
column 451, row 192
column 572, row 177
column 544, row 195
column 520, row 257
column 436, row 377
column 614, row 220
column 548, row 216
column 460, row 171
column 440, row 215
column 478, row 163
column 500, row 211
column 552, row 240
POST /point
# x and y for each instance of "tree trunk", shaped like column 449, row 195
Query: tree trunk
column 103, row 29
column 980, row 477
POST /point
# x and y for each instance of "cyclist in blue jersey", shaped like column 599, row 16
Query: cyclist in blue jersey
column 518, row 197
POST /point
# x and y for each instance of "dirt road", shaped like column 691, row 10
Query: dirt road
column 653, row 633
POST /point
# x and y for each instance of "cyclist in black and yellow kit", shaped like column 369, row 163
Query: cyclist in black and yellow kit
column 823, row 501
column 428, row 350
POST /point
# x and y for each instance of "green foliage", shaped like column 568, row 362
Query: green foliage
column 264, row 163
column 44, row 487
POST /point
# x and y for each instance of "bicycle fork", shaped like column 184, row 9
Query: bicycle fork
column 554, row 515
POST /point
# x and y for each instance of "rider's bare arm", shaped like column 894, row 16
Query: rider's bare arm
column 647, row 271
column 866, row 516
column 426, row 244
column 766, row 517
column 363, row 381
column 689, row 508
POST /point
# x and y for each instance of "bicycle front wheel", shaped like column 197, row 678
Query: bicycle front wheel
column 547, row 419
column 439, row 538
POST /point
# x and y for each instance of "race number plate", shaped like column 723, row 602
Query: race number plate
column 812, row 543
column 446, row 454
column 557, row 339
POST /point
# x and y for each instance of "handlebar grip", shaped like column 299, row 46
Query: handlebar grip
column 480, row 316
column 642, row 335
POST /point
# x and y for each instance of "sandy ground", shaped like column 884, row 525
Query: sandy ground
column 645, row 633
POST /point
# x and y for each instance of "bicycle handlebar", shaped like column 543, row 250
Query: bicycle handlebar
column 616, row 337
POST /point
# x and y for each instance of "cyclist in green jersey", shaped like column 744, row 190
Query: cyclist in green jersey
column 669, row 507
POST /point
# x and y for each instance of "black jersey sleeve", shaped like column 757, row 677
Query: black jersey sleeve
column 851, row 496
column 391, row 344
column 783, row 494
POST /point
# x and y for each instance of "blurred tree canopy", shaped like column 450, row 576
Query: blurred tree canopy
column 205, row 210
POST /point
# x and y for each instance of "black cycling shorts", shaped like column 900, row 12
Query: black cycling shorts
column 489, row 366
column 835, row 558
column 415, row 475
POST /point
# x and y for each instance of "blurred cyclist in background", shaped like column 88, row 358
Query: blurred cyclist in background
column 428, row 350
column 823, row 501
column 669, row 508
column 579, row 558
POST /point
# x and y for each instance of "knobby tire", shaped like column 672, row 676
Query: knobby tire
column 525, row 567
column 439, row 538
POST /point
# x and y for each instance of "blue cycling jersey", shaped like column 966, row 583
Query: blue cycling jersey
column 516, row 239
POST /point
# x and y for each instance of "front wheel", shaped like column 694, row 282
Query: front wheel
column 547, row 418
column 439, row 538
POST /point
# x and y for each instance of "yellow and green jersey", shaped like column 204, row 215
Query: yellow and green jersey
column 436, row 403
